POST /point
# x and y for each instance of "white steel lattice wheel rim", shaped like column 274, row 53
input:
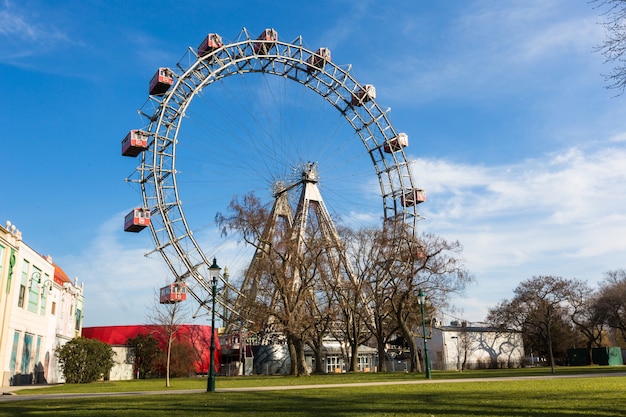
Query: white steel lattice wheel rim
column 172, row 234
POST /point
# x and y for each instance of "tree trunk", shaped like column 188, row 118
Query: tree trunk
column 296, row 356
column 167, row 362
column 354, row 357
column 550, row 353
column 416, row 365
column 319, row 365
column 589, row 355
column 293, row 355
column 464, row 364
column 382, row 362
column 318, row 347
column 303, row 369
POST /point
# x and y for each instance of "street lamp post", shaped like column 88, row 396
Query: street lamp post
column 214, row 272
column 421, row 300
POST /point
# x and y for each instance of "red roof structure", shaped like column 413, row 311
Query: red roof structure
column 198, row 336
column 60, row 277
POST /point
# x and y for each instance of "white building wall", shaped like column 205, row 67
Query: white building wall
column 451, row 347
column 28, row 328
column 38, row 312
column 122, row 369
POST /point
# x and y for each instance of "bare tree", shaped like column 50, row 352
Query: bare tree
column 353, row 301
column 466, row 345
column 611, row 302
column 538, row 309
column 585, row 314
column 369, row 252
column 287, row 296
column 427, row 262
column 614, row 46
column 166, row 320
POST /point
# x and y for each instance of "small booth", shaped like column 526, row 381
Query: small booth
column 365, row 94
column 413, row 197
column 161, row 82
column 318, row 60
column 135, row 142
column 212, row 42
column 397, row 143
column 173, row 293
column 269, row 38
column 137, row 220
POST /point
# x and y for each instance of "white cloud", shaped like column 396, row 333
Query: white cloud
column 23, row 34
column 120, row 281
column 561, row 214
column 504, row 48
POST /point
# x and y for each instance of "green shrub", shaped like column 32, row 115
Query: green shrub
column 85, row 360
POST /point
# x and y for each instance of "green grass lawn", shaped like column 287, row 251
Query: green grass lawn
column 588, row 395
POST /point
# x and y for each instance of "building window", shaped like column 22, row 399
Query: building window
column 27, row 354
column 47, row 284
column 364, row 362
column 38, row 366
column 23, row 284
column 78, row 318
column 16, row 342
column 33, row 296
column 53, row 308
column 20, row 299
column 42, row 308
column 333, row 364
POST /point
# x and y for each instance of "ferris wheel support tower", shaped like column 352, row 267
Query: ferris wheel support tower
column 310, row 202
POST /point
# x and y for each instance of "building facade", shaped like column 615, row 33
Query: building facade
column 463, row 346
column 41, row 309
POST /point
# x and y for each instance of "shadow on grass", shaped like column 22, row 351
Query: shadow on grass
column 575, row 397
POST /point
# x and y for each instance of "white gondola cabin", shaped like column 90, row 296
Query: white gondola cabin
column 269, row 38
column 397, row 143
column 317, row 60
column 173, row 293
column 365, row 94
column 413, row 197
column 135, row 142
column 161, row 82
column 137, row 220
column 212, row 42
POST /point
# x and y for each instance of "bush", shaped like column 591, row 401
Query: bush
column 147, row 355
column 85, row 360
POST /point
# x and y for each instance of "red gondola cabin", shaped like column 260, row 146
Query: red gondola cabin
column 173, row 293
column 135, row 142
column 212, row 42
column 413, row 197
column 161, row 82
column 269, row 36
column 397, row 143
column 318, row 59
column 367, row 93
column 137, row 220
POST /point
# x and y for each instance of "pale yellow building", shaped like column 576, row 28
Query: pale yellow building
column 40, row 309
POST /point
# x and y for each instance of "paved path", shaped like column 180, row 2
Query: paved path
column 9, row 392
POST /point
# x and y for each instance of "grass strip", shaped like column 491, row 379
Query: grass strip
column 600, row 396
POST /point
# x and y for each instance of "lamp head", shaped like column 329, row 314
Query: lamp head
column 214, row 271
column 421, row 297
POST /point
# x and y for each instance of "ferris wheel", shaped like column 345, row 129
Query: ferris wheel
column 262, row 107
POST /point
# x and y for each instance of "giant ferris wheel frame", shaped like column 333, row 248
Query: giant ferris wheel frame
column 164, row 113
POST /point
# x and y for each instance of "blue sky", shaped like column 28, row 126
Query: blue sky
column 520, row 147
